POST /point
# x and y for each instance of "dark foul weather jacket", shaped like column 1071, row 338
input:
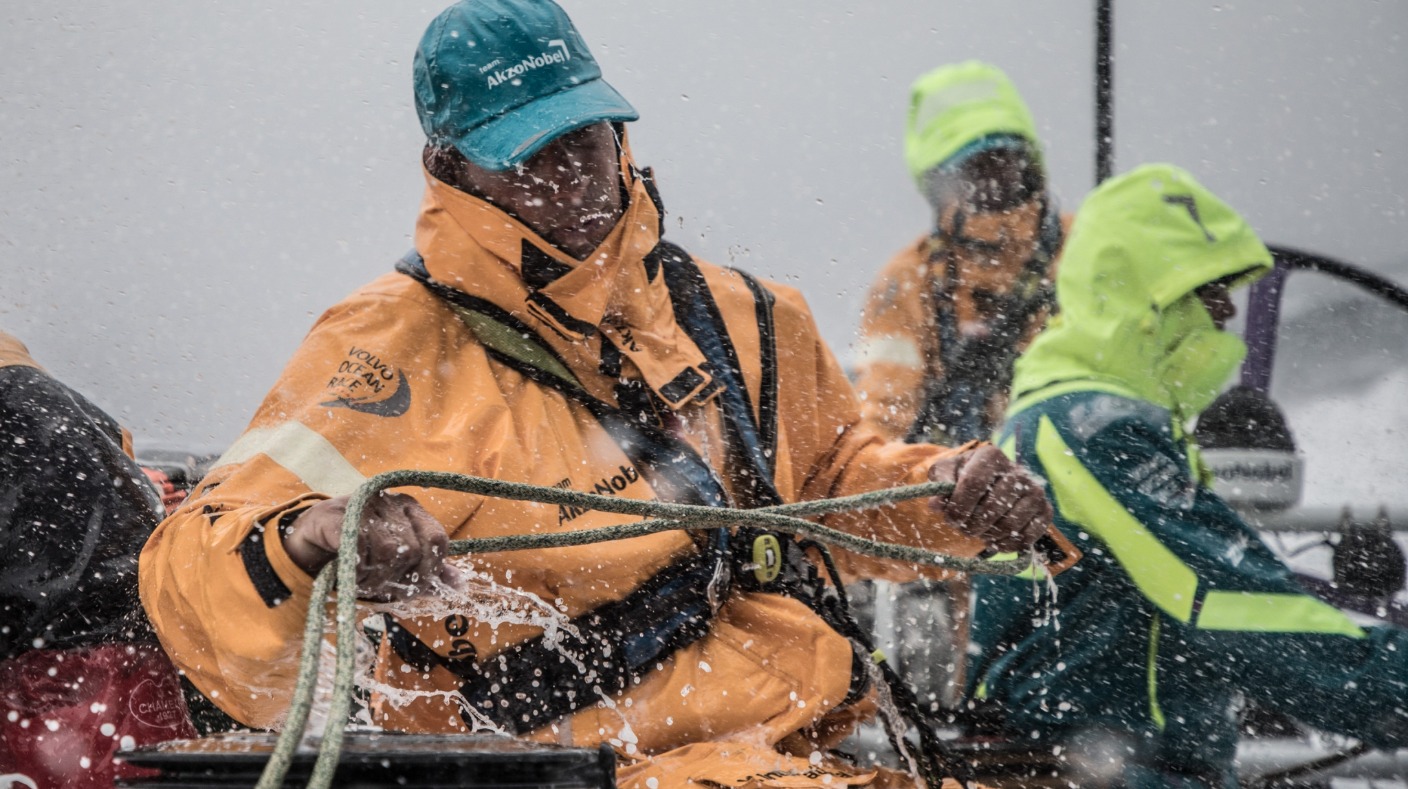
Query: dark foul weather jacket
column 80, row 673
column 1177, row 606
column 75, row 510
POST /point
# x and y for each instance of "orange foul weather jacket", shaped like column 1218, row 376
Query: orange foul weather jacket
column 899, row 355
column 392, row 378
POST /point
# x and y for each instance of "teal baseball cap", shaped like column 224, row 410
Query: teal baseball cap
column 500, row 79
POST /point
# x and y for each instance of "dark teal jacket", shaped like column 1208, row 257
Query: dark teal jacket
column 1177, row 609
column 1165, row 561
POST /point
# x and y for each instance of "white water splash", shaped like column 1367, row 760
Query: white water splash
column 480, row 598
column 892, row 720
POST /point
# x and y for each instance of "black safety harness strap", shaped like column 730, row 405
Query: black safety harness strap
column 955, row 403
column 668, row 463
column 751, row 450
column 698, row 314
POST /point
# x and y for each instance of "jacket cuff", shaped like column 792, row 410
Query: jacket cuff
column 272, row 571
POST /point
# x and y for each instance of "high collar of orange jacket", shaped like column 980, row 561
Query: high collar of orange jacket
column 470, row 244
column 13, row 353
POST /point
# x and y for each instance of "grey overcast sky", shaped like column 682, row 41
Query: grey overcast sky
column 185, row 186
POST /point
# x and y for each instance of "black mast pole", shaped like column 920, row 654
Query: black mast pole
column 1104, row 90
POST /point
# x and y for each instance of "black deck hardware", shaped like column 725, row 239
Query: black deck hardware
column 373, row 760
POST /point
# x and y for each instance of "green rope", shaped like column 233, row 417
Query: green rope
column 786, row 518
column 672, row 517
column 297, row 720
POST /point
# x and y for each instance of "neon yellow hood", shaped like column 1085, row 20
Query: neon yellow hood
column 953, row 106
column 1140, row 244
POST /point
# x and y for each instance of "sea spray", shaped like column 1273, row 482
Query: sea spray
column 476, row 596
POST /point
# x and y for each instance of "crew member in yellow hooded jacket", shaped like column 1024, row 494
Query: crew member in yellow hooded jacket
column 950, row 312
column 542, row 331
column 1178, row 612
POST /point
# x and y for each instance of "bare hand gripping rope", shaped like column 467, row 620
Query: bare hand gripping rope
column 785, row 519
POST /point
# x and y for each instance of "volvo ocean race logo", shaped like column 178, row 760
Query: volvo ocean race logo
column 364, row 383
column 560, row 55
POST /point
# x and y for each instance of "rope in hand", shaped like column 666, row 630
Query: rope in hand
column 786, row 518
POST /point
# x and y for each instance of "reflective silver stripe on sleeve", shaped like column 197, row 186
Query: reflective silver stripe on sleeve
column 303, row 452
column 890, row 350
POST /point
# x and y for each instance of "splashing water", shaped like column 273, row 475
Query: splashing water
column 1050, row 610
column 477, row 596
column 1050, row 614
column 402, row 697
column 481, row 598
column 891, row 718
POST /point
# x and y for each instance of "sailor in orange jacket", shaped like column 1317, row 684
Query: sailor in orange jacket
column 543, row 332
column 949, row 313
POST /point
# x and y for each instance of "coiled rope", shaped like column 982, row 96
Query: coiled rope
column 664, row 516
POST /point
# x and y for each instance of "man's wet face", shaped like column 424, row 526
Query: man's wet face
column 569, row 192
column 1217, row 299
column 997, row 180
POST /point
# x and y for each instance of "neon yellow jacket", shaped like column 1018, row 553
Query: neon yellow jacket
column 1177, row 604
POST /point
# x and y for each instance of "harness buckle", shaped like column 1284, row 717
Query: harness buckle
column 767, row 558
